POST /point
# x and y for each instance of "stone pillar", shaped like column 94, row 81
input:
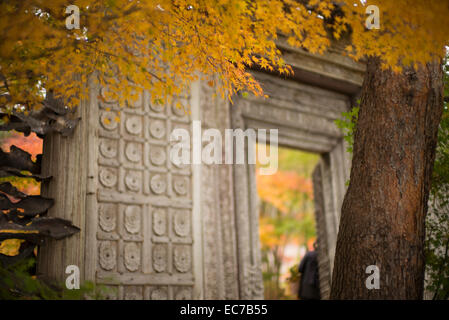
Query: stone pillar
column 72, row 163
column 321, row 231
column 329, row 188
column 217, row 205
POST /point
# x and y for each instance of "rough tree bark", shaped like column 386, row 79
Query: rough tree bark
column 383, row 213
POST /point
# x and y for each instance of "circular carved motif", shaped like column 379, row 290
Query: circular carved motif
column 135, row 103
column 156, row 107
column 132, row 256
column 108, row 121
column 184, row 294
column 133, row 180
column 157, row 129
column 159, row 294
column 108, row 255
column 107, row 216
column 108, row 177
column 159, row 222
column 180, row 107
column 179, row 164
column 182, row 259
column 105, row 94
column 133, row 125
column 133, row 151
column 179, row 111
column 132, row 219
column 108, row 148
column 181, row 223
column 157, row 156
column 181, row 185
column 158, row 184
column 159, row 258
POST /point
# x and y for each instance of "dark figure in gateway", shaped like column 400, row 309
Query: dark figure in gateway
column 309, row 285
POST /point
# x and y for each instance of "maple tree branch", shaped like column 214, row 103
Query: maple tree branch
column 127, row 61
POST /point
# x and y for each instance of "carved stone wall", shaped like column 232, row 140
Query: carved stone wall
column 144, row 203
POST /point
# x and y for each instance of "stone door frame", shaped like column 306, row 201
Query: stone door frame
column 301, row 127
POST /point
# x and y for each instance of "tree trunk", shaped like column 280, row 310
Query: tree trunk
column 383, row 213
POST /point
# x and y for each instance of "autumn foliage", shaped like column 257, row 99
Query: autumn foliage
column 33, row 145
column 280, row 188
column 163, row 45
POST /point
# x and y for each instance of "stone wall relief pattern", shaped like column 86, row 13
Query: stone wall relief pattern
column 144, row 231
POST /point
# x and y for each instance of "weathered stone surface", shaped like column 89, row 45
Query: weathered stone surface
column 148, row 230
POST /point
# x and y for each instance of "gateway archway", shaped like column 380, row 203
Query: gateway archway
column 304, row 116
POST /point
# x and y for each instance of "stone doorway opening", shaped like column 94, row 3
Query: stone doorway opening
column 304, row 116
column 287, row 221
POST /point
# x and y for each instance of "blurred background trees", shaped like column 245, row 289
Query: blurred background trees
column 287, row 223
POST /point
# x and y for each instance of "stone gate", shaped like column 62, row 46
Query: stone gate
column 153, row 230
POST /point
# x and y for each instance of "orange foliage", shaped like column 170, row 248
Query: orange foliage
column 164, row 45
column 277, row 189
column 269, row 237
column 31, row 144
